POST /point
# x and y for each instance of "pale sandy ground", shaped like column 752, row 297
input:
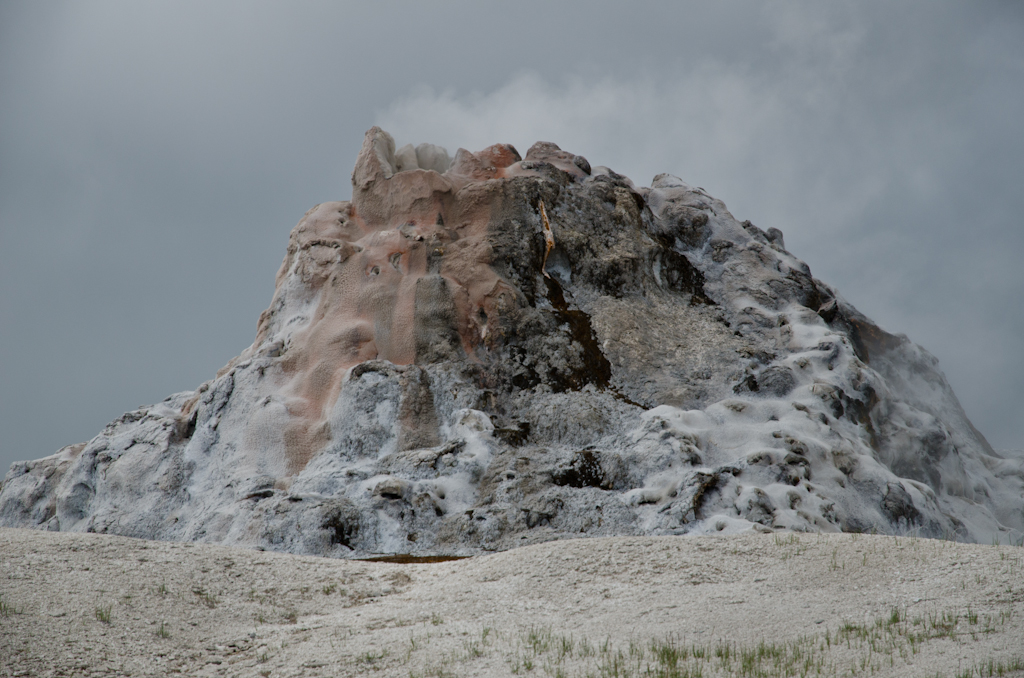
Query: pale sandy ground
column 92, row 605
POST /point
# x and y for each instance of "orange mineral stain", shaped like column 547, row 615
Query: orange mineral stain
column 363, row 261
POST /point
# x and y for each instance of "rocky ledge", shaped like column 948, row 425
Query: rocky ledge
column 490, row 351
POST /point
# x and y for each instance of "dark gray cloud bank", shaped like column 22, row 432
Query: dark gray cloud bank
column 153, row 158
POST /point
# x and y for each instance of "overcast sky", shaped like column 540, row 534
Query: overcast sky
column 153, row 158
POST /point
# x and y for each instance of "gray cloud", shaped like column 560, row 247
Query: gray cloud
column 153, row 158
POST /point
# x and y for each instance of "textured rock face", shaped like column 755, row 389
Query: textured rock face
column 479, row 353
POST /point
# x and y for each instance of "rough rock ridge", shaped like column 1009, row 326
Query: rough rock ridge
column 488, row 351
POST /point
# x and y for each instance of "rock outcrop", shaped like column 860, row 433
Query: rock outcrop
column 489, row 351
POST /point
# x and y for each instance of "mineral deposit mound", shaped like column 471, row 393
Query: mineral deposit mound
column 488, row 351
